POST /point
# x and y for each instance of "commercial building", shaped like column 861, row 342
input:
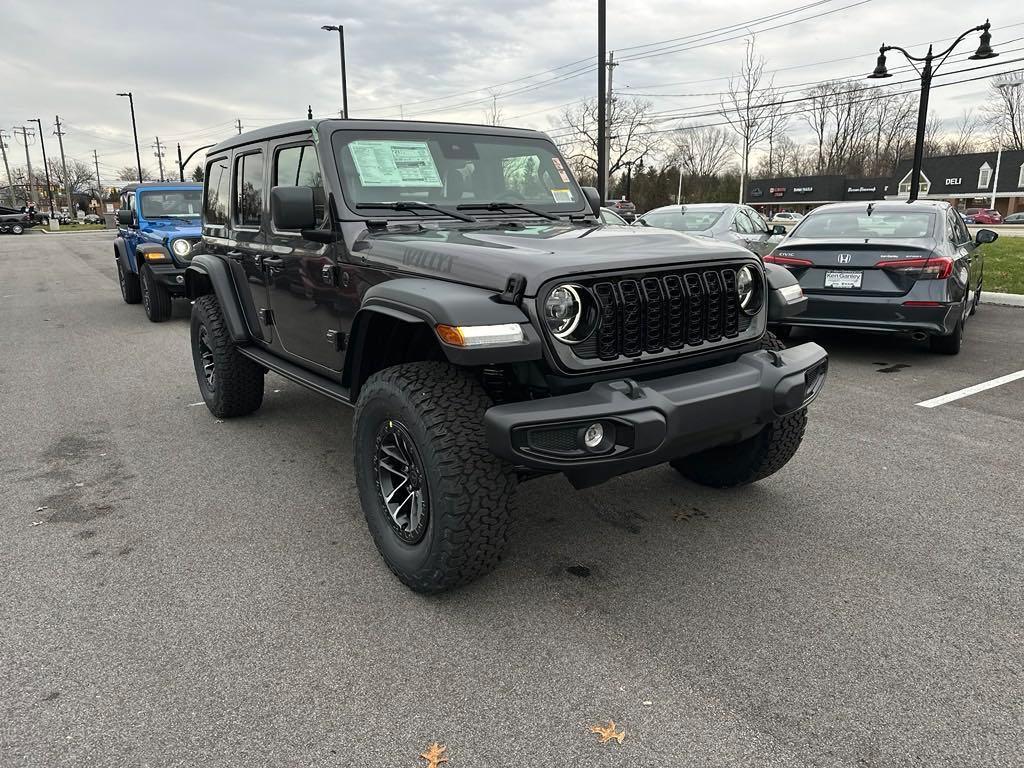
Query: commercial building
column 979, row 180
column 802, row 193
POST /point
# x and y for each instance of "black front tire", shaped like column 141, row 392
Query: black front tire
column 156, row 299
column 752, row 459
column 468, row 490
column 231, row 384
column 131, row 292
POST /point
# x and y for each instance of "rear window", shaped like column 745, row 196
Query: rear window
column 690, row 221
column 857, row 224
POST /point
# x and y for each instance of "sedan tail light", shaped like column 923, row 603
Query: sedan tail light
column 932, row 268
column 787, row 261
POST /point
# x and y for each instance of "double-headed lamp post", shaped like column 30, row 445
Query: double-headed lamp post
column 344, row 83
column 984, row 52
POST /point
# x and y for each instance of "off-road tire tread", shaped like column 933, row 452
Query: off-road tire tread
column 238, row 381
column 471, row 496
column 160, row 306
column 754, row 459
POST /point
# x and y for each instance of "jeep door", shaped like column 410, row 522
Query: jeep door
column 302, row 274
column 233, row 213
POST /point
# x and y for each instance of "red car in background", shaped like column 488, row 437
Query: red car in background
column 985, row 215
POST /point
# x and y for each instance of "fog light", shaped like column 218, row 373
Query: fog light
column 594, row 436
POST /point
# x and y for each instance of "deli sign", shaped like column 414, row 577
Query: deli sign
column 954, row 182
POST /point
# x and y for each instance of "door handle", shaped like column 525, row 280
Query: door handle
column 272, row 262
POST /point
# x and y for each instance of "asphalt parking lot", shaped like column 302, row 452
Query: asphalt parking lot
column 183, row 592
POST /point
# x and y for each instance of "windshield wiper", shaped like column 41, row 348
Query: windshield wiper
column 503, row 206
column 416, row 205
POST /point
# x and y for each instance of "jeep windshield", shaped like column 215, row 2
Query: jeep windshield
column 454, row 170
column 171, row 204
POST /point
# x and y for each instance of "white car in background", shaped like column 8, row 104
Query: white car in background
column 787, row 217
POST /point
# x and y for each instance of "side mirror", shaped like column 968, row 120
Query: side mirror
column 594, row 199
column 125, row 217
column 293, row 208
column 985, row 236
column 778, row 229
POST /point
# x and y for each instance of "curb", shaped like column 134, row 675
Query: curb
column 1005, row 299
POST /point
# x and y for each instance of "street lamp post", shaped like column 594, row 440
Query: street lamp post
column 46, row 164
column 1008, row 85
column 344, row 82
column 183, row 163
column 135, row 133
column 984, row 52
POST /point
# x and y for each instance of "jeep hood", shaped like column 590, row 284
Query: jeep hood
column 486, row 257
column 166, row 228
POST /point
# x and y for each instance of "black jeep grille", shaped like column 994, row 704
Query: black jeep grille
column 663, row 311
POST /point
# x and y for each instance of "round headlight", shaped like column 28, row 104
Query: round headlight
column 181, row 247
column 562, row 311
column 747, row 290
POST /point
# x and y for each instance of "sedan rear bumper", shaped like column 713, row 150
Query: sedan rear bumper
column 899, row 314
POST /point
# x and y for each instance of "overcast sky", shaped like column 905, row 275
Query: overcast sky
column 195, row 66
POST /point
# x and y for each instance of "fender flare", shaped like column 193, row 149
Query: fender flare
column 426, row 302
column 121, row 249
column 143, row 248
column 208, row 274
column 781, row 305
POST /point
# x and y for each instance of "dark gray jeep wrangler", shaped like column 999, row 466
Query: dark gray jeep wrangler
column 453, row 283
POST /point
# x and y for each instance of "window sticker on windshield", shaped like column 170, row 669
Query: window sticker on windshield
column 394, row 164
column 557, row 161
column 562, row 195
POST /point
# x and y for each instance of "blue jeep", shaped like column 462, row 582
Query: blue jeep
column 159, row 227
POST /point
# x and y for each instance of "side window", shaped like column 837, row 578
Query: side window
column 963, row 235
column 760, row 225
column 131, row 202
column 218, row 185
column 299, row 167
column 742, row 224
column 249, row 189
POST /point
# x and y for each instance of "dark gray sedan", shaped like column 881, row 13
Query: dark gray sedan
column 729, row 222
column 897, row 267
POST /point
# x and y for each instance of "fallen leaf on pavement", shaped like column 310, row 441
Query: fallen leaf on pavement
column 37, row 522
column 435, row 755
column 607, row 732
column 41, row 509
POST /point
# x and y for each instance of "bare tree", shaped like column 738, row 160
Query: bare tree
column 703, row 151
column 1004, row 110
column 131, row 173
column 81, row 176
column 629, row 126
column 493, row 114
column 966, row 136
column 748, row 107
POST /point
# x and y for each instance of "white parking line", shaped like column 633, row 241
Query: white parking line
column 968, row 391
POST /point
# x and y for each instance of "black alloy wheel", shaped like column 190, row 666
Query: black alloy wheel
column 401, row 483
column 206, row 357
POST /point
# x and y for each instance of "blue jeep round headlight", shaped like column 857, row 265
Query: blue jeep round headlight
column 181, row 247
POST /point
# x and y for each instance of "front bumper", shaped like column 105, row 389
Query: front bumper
column 659, row 420
column 882, row 313
column 170, row 276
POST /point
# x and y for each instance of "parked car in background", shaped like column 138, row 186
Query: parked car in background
column 93, row 218
column 966, row 219
column 728, row 222
column 1014, row 218
column 623, row 207
column 786, row 217
column 897, row 267
column 608, row 216
column 158, row 229
column 14, row 222
column 985, row 215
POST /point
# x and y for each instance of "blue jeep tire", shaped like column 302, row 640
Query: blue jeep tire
column 156, row 299
column 131, row 292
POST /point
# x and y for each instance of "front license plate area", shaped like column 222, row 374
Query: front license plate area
column 845, row 280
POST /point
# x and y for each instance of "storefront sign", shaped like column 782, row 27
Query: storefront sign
column 954, row 182
column 803, row 190
column 756, row 192
column 855, row 190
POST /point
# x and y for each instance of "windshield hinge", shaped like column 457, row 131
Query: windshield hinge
column 515, row 288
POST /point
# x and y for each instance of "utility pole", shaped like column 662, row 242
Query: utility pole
column 602, row 95
column 99, row 187
column 135, row 132
column 64, row 165
column 25, row 133
column 181, row 167
column 10, row 179
column 46, row 163
column 608, row 128
column 159, row 155
column 238, row 124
